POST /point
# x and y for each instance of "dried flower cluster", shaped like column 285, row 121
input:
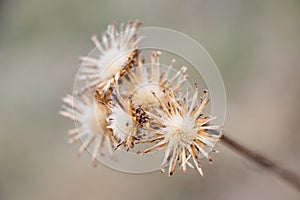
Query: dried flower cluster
column 124, row 103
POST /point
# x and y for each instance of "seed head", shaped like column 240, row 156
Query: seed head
column 115, row 49
column 90, row 118
column 183, row 132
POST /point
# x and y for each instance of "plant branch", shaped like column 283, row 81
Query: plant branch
column 290, row 177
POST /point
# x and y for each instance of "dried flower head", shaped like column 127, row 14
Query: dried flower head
column 183, row 132
column 140, row 82
column 126, row 121
column 92, row 125
column 116, row 48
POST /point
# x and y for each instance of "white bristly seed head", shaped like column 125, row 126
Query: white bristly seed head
column 183, row 133
column 141, row 83
column 122, row 123
column 125, row 120
column 90, row 118
column 116, row 47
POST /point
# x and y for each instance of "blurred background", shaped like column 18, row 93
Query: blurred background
column 255, row 44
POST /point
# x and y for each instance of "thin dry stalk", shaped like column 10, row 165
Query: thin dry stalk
column 291, row 177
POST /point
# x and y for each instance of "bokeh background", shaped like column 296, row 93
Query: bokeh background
column 255, row 44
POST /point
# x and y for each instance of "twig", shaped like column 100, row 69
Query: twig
column 290, row 177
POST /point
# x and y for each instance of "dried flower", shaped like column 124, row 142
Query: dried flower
column 92, row 125
column 140, row 82
column 116, row 48
column 183, row 131
column 125, row 120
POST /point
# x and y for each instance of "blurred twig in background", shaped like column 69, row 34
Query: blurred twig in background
column 290, row 177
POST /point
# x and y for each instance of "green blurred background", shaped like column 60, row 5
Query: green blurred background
column 255, row 44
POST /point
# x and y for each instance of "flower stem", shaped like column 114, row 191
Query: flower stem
column 290, row 177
